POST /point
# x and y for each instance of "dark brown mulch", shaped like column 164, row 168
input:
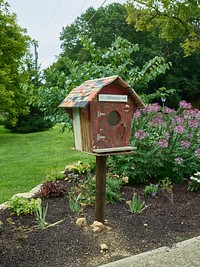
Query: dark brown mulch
column 162, row 224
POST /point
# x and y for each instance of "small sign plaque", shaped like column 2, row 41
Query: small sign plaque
column 113, row 98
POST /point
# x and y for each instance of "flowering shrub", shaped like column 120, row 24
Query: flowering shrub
column 167, row 141
column 194, row 184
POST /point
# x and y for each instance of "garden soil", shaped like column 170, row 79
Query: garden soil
column 168, row 219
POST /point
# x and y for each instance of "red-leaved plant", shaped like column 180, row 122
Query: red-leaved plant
column 52, row 189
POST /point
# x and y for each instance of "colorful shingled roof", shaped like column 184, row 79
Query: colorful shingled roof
column 85, row 93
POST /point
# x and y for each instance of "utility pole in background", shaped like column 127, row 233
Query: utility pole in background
column 36, row 54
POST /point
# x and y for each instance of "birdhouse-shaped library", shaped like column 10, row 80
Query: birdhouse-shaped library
column 102, row 112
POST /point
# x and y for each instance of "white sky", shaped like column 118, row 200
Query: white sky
column 44, row 20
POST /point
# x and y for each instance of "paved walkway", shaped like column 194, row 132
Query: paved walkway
column 183, row 254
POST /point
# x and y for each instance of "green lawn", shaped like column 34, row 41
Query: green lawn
column 26, row 159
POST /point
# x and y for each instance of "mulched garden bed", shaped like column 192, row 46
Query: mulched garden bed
column 163, row 223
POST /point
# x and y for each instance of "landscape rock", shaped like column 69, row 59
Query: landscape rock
column 30, row 194
column 81, row 222
column 104, row 247
column 3, row 206
column 36, row 189
column 97, row 227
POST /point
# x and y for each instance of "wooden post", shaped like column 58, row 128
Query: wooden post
column 100, row 197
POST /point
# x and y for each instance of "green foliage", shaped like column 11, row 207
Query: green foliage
column 100, row 29
column 160, row 94
column 52, row 189
column 194, row 184
column 22, row 205
column 1, row 224
column 167, row 144
column 74, row 204
column 166, row 184
column 172, row 18
column 40, row 214
column 29, row 123
column 92, row 50
column 13, row 46
column 34, row 157
column 55, row 176
column 113, row 193
column 116, row 59
column 84, row 193
column 151, row 190
column 81, row 168
column 136, row 205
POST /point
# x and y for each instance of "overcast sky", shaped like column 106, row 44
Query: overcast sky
column 44, row 20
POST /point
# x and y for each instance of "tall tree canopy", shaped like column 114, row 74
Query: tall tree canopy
column 174, row 19
column 13, row 46
column 110, row 22
column 115, row 60
column 103, row 28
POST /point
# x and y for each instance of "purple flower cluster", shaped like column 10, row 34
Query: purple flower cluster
column 157, row 120
column 163, row 143
column 191, row 114
column 152, row 108
column 185, row 105
column 179, row 129
column 177, row 120
column 137, row 113
column 193, row 123
column 140, row 134
column 197, row 153
column 185, row 144
column 169, row 110
column 167, row 135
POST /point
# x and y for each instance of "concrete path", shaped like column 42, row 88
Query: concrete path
column 183, row 254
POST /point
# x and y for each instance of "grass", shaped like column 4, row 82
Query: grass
column 26, row 159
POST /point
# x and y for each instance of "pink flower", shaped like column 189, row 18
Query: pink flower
column 137, row 114
column 163, row 143
column 169, row 110
column 185, row 105
column 178, row 120
column 179, row 129
column 191, row 114
column 197, row 113
column 140, row 134
column 152, row 108
column 157, row 120
column 185, row 144
column 167, row 135
column 197, row 153
column 193, row 123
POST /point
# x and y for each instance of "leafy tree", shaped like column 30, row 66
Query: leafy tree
column 13, row 46
column 34, row 120
column 116, row 60
column 108, row 23
column 174, row 19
